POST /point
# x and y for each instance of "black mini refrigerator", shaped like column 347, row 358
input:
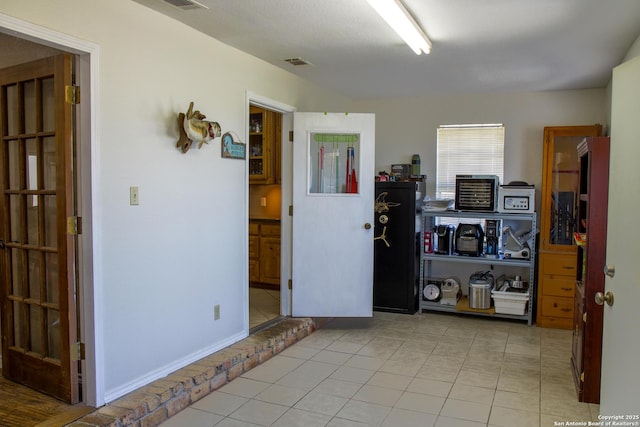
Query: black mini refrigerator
column 397, row 246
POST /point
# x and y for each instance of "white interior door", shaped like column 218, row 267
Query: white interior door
column 333, row 196
column 620, row 386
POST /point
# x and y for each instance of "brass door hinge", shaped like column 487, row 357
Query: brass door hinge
column 290, row 210
column 72, row 94
column 290, row 283
column 74, row 225
column 77, row 351
column 290, row 136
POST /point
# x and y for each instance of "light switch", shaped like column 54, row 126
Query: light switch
column 133, row 196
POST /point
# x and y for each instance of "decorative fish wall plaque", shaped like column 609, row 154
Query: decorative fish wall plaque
column 193, row 128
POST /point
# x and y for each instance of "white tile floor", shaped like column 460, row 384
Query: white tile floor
column 264, row 305
column 399, row 370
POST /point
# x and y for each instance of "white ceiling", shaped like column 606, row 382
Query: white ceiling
column 478, row 45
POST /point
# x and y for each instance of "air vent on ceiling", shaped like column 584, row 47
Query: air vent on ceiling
column 186, row 4
column 297, row 61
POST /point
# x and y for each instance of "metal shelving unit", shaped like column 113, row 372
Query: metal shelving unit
column 427, row 260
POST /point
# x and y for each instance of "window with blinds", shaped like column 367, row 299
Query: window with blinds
column 476, row 149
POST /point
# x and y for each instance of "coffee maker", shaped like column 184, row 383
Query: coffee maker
column 491, row 232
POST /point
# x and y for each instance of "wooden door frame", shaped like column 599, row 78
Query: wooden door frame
column 90, row 317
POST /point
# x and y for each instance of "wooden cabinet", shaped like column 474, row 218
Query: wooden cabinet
column 557, row 275
column 264, row 253
column 254, row 252
column 593, row 198
column 264, row 146
column 559, row 204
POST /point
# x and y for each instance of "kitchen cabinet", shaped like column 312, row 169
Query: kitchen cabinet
column 434, row 265
column 593, row 196
column 264, row 146
column 264, row 253
column 559, row 203
column 254, row 252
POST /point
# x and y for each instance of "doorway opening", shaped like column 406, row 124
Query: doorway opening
column 265, row 213
column 48, row 274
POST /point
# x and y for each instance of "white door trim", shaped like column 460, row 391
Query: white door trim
column 286, row 200
column 91, row 316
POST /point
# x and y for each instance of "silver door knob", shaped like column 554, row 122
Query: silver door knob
column 601, row 299
column 610, row 270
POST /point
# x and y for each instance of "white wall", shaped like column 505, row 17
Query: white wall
column 161, row 266
column 406, row 126
column 633, row 51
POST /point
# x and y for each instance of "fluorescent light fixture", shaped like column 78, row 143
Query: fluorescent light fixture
column 403, row 23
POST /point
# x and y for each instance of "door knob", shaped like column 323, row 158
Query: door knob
column 610, row 270
column 601, row 299
column 367, row 226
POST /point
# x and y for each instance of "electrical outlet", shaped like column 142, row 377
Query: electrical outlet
column 216, row 312
column 133, row 196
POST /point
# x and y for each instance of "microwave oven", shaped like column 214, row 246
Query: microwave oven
column 477, row 193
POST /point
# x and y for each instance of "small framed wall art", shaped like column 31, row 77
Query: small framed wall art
column 232, row 149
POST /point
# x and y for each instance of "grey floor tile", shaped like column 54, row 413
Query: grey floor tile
column 338, row 387
column 364, row 412
column 431, row 387
column 299, row 418
column 365, row 362
column 472, row 393
column 322, row 403
column 258, row 412
column 273, row 369
column 443, row 421
column 194, row 418
column 244, row 387
column 420, row 402
column 506, row 417
column 355, row 375
column 281, row 395
column 220, row 403
column 392, row 381
column 405, row 418
column 332, row 357
column 378, row 395
column 465, row 410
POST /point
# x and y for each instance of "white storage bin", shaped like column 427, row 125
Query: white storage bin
column 510, row 302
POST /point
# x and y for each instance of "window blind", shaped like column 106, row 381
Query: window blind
column 467, row 150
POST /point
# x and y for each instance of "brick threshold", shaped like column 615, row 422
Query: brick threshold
column 160, row 400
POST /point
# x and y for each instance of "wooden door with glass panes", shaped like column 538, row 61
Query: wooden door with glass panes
column 557, row 253
column 37, row 262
